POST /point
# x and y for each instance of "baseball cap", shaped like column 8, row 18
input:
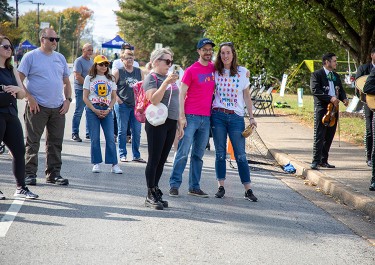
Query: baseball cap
column 127, row 45
column 203, row 42
column 100, row 59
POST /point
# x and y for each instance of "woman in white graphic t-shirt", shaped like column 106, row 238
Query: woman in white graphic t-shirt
column 231, row 97
column 99, row 95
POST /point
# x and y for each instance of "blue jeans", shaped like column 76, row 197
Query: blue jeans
column 80, row 105
column 125, row 115
column 232, row 125
column 94, row 131
column 196, row 135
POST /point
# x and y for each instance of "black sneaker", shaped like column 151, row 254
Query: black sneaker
column 57, row 180
column 220, row 192
column 2, row 197
column 198, row 193
column 249, row 195
column 24, row 192
column 173, row 192
column 87, row 137
column 75, row 137
column 159, row 194
column 372, row 186
column 152, row 201
column 30, row 180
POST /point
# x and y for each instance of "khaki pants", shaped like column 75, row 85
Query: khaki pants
column 51, row 119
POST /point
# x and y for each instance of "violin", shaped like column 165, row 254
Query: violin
column 329, row 119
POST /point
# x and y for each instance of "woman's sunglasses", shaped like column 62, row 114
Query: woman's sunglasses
column 229, row 43
column 6, row 47
column 103, row 64
column 167, row 61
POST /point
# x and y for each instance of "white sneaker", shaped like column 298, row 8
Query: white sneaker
column 96, row 168
column 116, row 169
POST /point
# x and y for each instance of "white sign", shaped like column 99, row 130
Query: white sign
column 283, row 85
column 158, row 46
column 44, row 25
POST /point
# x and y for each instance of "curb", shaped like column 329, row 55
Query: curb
column 328, row 185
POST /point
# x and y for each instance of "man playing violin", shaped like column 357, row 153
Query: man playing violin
column 326, row 87
column 369, row 88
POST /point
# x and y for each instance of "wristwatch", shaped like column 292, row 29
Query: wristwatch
column 110, row 109
column 70, row 99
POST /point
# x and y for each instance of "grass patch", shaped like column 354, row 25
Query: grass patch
column 352, row 125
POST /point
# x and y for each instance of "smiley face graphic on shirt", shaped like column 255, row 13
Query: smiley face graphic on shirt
column 101, row 89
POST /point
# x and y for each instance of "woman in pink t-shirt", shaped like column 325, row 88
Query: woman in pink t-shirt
column 231, row 97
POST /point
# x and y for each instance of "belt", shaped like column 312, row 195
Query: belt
column 100, row 104
column 226, row 111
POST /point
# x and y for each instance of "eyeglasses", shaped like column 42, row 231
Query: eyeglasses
column 6, row 47
column 207, row 51
column 103, row 64
column 128, row 58
column 167, row 61
column 51, row 39
column 229, row 43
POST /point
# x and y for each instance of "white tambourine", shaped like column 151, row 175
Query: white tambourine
column 156, row 114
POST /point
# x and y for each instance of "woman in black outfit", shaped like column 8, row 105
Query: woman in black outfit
column 160, row 87
column 11, row 132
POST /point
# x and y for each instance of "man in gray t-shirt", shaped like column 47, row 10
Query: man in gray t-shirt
column 48, row 94
column 81, row 69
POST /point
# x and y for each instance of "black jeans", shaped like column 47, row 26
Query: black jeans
column 160, row 140
column 369, row 114
column 11, row 134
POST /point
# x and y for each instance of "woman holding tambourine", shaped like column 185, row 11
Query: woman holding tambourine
column 228, row 110
column 11, row 132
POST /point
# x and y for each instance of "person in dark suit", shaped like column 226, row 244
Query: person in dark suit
column 326, row 88
column 369, row 88
column 365, row 69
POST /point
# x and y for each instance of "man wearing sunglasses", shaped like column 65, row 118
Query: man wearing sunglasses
column 48, row 100
column 197, row 87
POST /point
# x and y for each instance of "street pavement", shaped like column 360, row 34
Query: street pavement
column 290, row 141
column 101, row 218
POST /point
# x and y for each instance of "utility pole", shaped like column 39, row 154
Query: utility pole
column 37, row 31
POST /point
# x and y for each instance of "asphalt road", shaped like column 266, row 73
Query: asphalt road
column 101, row 219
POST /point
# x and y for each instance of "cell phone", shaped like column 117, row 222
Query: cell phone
column 2, row 87
column 176, row 69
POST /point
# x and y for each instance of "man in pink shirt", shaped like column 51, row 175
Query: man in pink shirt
column 197, row 87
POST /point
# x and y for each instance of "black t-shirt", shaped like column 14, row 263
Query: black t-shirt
column 7, row 78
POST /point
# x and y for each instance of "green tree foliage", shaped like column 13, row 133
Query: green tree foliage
column 350, row 23
column 71, row 29
column 6, row 11
column 146, row 22
column 267, row 33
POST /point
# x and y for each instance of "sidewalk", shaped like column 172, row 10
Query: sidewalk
column 288, row 140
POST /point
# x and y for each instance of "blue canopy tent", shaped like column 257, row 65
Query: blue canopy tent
column 115, row 43
column 27, row 45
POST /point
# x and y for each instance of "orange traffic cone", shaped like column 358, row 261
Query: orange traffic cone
column 230, row 150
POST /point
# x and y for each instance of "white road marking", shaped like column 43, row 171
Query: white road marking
column 9, row 216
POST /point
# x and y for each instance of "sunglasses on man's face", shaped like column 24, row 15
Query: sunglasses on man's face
column 51, row 39
column 6, row 47
column 103, row 64
column 167, row 61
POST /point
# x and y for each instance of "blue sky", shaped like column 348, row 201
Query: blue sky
column 105, row 26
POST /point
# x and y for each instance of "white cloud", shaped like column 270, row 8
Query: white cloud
column 104, row 25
